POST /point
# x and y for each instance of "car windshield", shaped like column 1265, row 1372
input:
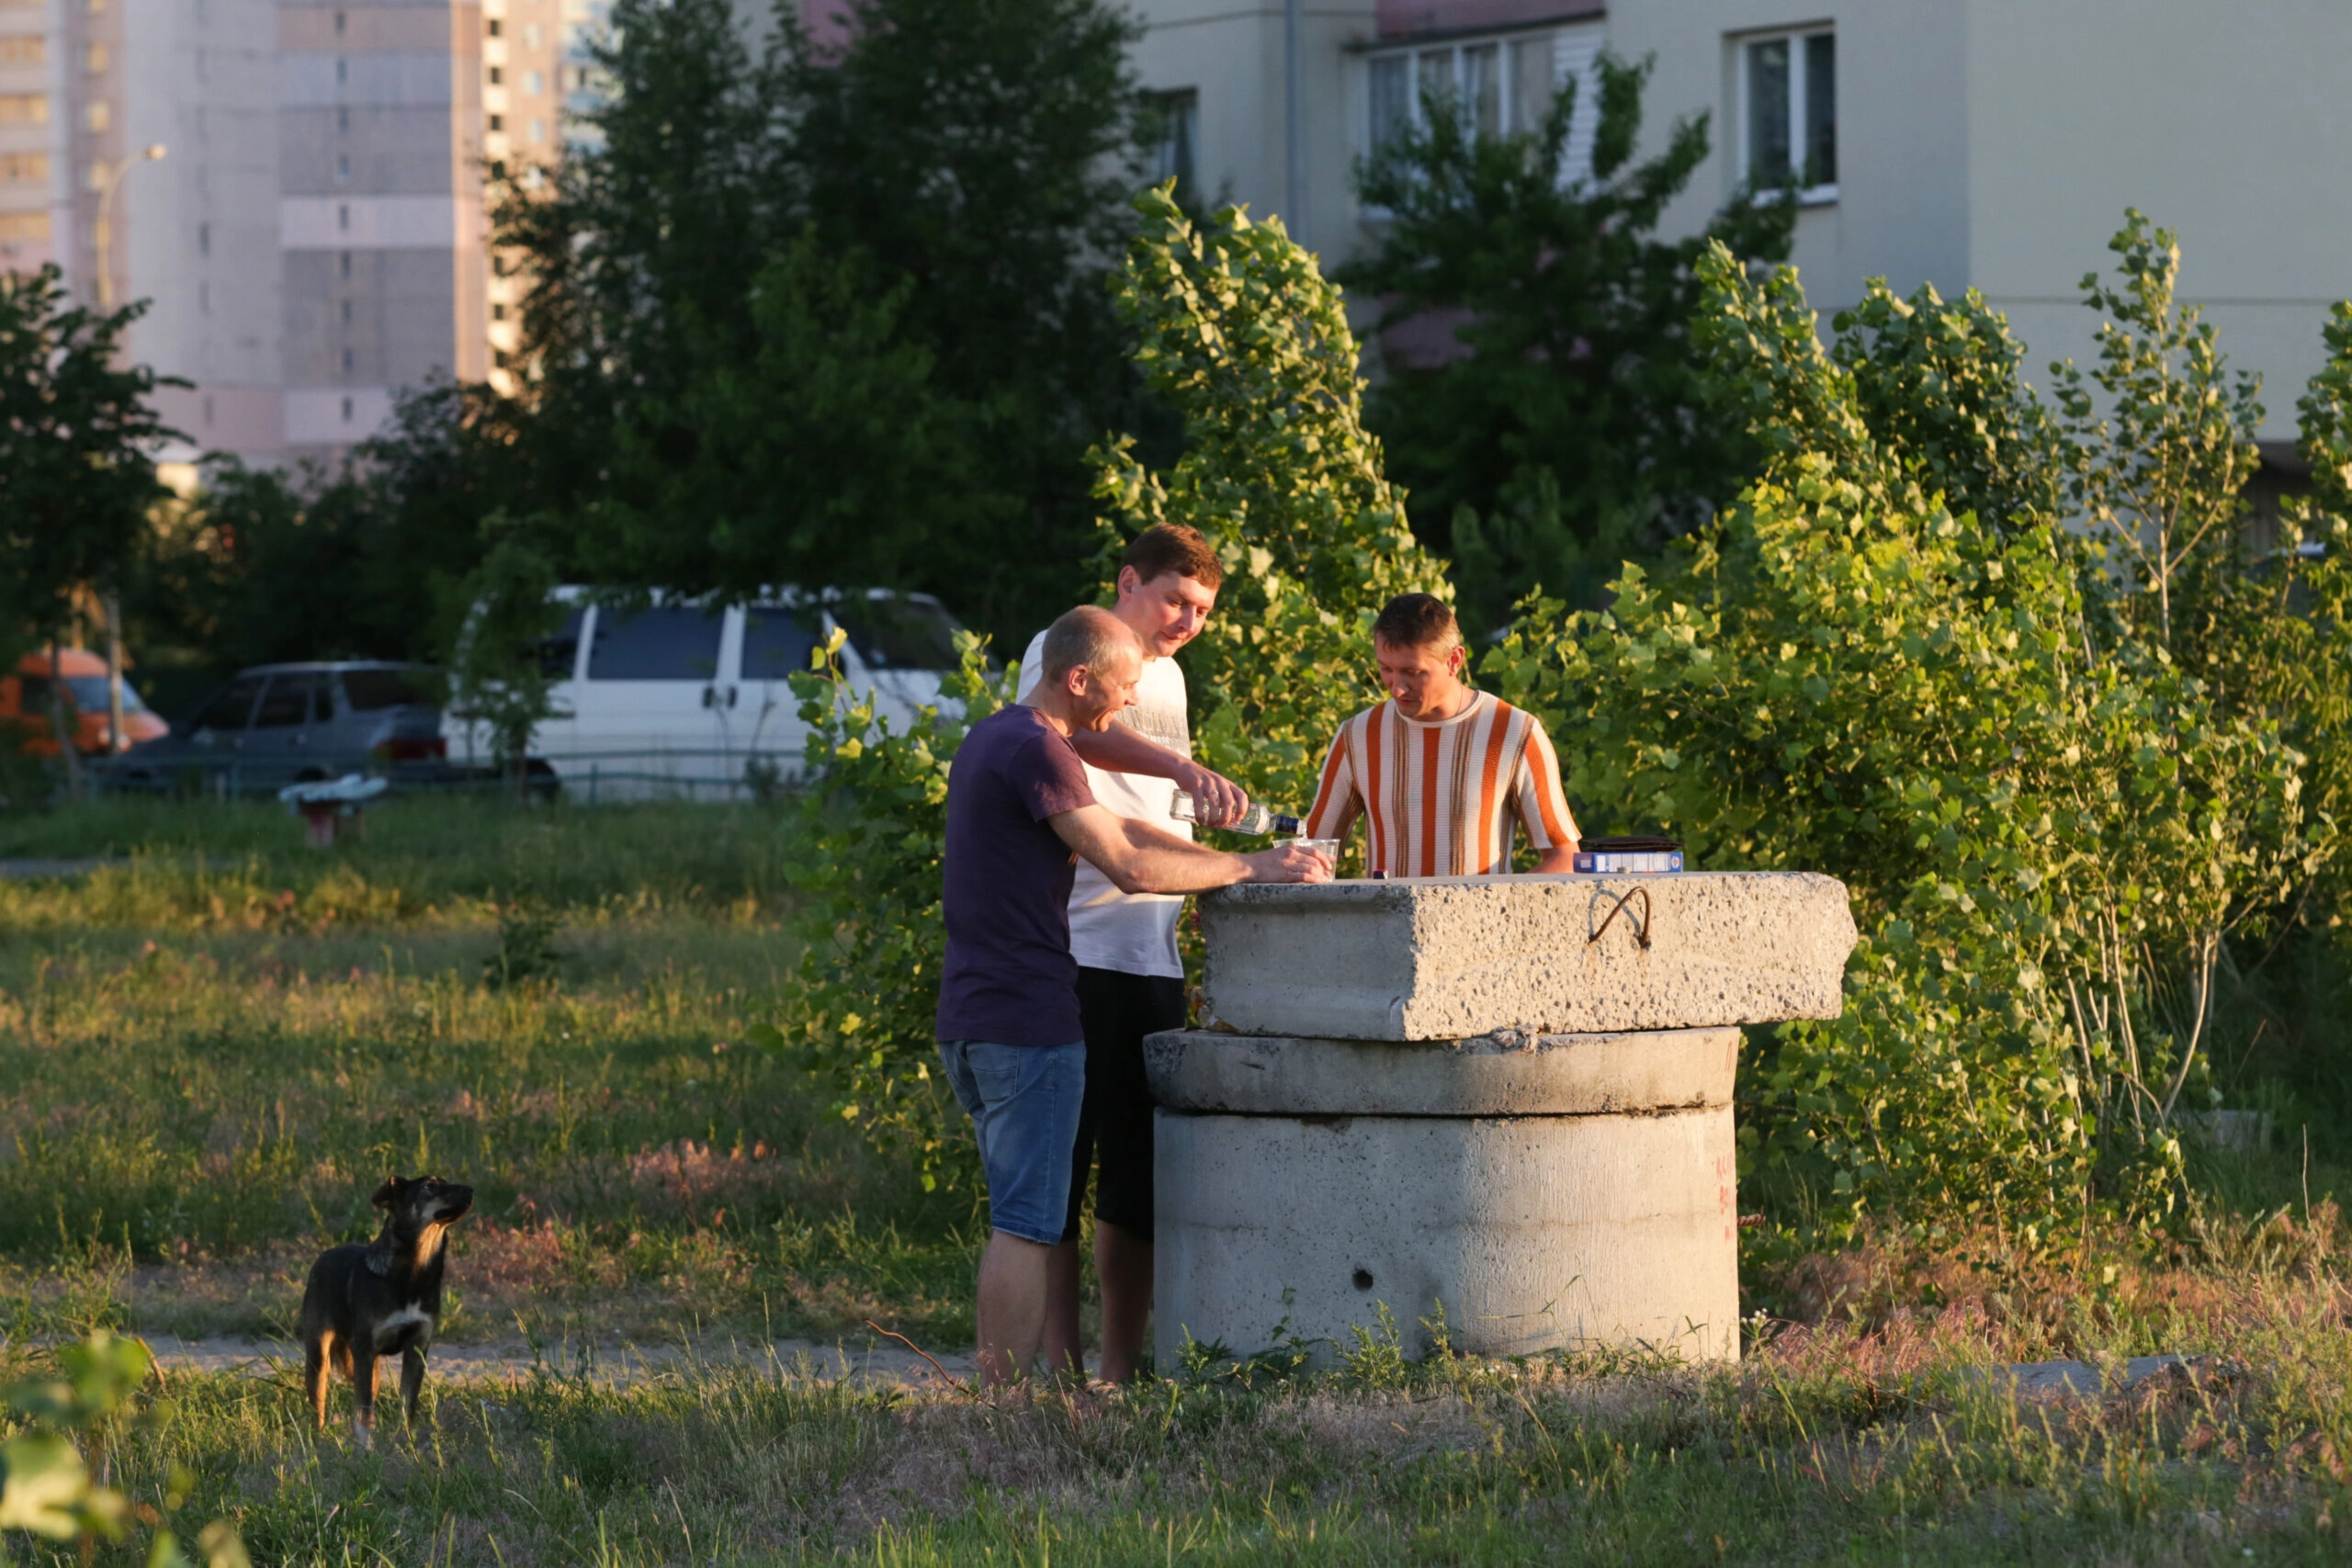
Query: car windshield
column 898, row 634
column 90, row 694
column 370, row 689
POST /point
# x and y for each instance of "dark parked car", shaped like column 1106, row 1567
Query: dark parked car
column 280, row 724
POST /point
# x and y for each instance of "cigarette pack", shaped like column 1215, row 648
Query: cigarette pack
column 1620, row 862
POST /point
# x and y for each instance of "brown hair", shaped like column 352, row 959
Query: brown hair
column 1171, row 547
column 1418, row 620
column 1089, row 636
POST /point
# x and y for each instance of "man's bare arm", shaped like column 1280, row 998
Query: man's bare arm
column 1121, row 749
column 1141, row 858
column 1559, row 861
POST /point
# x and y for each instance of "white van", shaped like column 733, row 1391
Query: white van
column 687, row 698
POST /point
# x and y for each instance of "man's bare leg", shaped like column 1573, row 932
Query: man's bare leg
column 1011, row 1308
column 1123, row 1263
column 1065, row 1339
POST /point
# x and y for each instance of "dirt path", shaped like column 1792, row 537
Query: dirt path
column 613, row 1364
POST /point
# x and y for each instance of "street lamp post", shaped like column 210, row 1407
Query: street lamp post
column 109, row 179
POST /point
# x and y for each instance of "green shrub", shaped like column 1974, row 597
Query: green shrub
column 1895, row 660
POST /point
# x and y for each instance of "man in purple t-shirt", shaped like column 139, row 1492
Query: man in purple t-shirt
column 1018, row 814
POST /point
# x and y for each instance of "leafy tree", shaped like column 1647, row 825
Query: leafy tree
column 1578, row 424
column 498, row 678
column 827, row 453
column 1893, row 660
column 1238, row 333
column 1236, row 329
column 76, row 477
column 846, row 305
column 263, row 565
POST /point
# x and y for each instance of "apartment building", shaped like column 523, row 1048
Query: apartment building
column 295, row 186
column 1986, row 143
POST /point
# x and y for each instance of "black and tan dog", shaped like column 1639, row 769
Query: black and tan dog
column 381, row 1299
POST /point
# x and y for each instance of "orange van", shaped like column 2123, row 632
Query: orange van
column 25, row 714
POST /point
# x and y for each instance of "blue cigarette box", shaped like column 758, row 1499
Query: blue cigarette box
column 1621, row 862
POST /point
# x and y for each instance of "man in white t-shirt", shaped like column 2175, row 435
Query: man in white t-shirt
column 1130, row 980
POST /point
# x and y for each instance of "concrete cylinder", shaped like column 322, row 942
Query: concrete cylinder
column 1532, row 1233
column 1540, row 1192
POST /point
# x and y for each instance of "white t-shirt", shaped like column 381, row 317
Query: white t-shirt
column 1133, row 933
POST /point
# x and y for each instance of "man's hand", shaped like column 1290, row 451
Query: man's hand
column 1293, row 861
column 1217, row 800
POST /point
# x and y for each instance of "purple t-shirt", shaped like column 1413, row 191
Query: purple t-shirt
column 1010, row 977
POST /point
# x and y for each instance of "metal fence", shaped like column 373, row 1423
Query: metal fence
column 716, row 776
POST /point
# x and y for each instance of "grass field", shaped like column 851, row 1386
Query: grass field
column 213, row 1045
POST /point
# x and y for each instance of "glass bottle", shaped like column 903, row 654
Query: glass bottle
column 1256, row 820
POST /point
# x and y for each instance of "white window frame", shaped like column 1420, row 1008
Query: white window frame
column 1821, row 194
column 1414, row 55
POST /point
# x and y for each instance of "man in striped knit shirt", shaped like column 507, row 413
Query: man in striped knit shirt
column 1441, row 772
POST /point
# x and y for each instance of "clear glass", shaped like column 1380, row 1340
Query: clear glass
column 1768, row 113
column 1392, row 98
column 1434, row 76
column 1482, row 87
column 1530, row 82
column 1821, row 109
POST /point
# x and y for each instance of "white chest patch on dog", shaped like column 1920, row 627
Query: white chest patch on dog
column 387, row 1332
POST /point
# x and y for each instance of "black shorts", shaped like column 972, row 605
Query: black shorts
column 1117, row 1010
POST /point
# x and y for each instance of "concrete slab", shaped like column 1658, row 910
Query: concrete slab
column 1447, row 958
column 1536, row 1233
column 1505, row 1075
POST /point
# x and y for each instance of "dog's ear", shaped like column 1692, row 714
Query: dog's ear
column 385, row 1194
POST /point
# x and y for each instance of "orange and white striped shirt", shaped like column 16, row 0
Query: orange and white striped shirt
column 1441, row 800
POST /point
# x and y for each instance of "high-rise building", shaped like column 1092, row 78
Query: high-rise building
column 297, row 186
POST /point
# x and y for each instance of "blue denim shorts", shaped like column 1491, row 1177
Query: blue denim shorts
column 1024, row 1102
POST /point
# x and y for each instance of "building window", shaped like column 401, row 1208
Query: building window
column 1789, row 116
column 23, row 49
column 533, row 81
column 24, row 168
column 204, row 299
column 1179, row 126
column 346, row 411
column 96, row 58
column 347, row 362
column 498, row 122
column 1500, row 85
column 345, row 267
column 346, row 312
column 24, row 108
column 495, row 27
column 204, row 239
column 343, row 216
column 342, row 118
column 343, row 169
column 496, row 76
column 341, row 70
column 338, row 24
column 207, row 408
column 530, row 35
column 97, row 115
column 538, row 130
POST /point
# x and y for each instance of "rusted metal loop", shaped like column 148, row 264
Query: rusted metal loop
column 1641, row 927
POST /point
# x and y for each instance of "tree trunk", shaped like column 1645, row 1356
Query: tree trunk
column 116, row 740
column 68, row 738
